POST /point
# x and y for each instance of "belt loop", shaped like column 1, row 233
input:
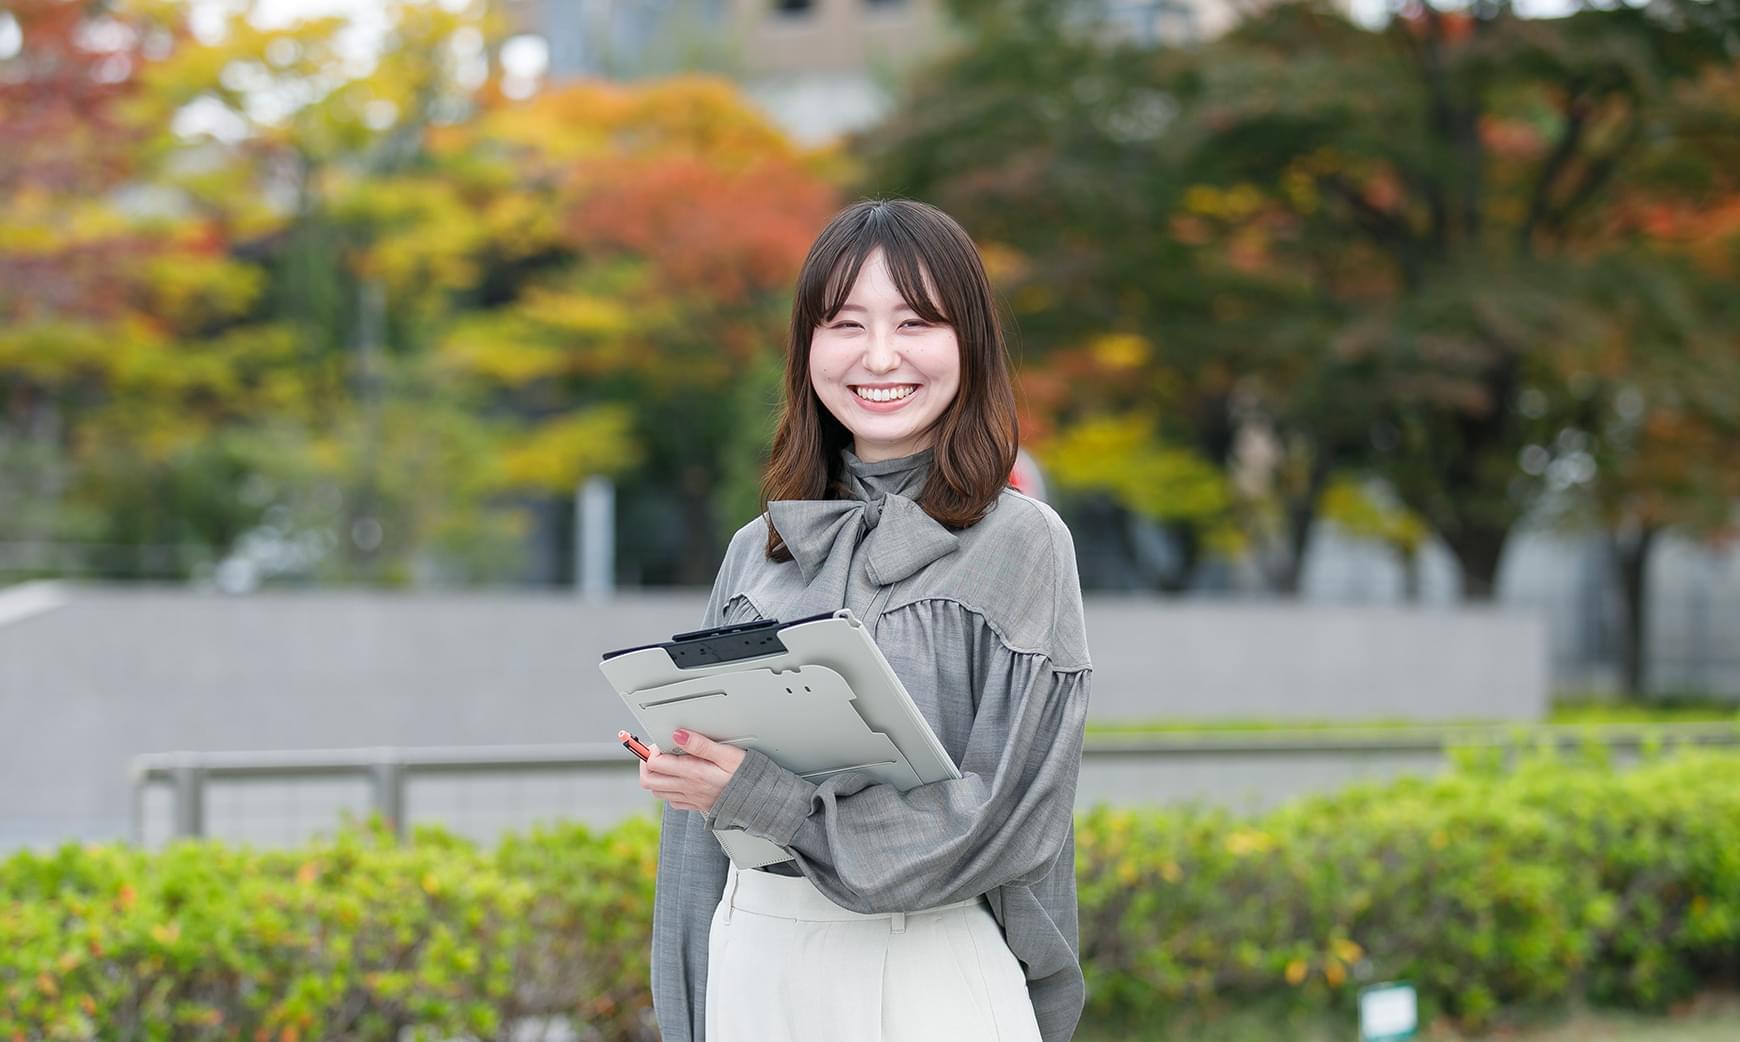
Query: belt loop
column 899, row 922
column 731, row 892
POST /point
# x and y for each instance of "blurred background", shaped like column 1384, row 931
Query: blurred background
column 368, row 368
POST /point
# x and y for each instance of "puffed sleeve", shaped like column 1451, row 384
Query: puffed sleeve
column 690, row 880
column 872, row 848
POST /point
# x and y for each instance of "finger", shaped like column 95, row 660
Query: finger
column 684, row 767
column 665, row 787
column 669, row 761
column 696, row 744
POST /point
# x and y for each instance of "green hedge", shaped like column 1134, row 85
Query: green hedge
column 353, row 938
column 1491, row 888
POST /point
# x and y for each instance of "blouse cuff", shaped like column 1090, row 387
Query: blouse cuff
column 763, row 799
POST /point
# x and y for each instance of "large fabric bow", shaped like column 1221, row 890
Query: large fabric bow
column 902, row 538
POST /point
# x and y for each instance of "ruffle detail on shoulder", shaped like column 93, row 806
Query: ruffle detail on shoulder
column 1050, row 630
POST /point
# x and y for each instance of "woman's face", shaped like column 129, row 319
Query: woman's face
column 884, row 372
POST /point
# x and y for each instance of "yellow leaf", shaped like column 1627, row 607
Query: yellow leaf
column 578, row 315
column 1003, row 263
column 1120, row 351
column 558, row 454
column 1203, row 199
column 1122, row 455
column 1248, row 841
column 1296, row 971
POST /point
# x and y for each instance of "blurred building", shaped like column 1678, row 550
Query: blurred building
column 818, row 67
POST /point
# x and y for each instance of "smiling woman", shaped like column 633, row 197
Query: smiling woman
column 946, row 910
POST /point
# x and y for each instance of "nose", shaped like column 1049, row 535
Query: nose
column 879, row 353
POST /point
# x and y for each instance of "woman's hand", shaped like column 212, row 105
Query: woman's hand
column 691, row 782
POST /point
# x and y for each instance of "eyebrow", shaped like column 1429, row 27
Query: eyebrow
column 859, row 307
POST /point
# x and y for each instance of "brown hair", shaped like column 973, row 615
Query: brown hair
column 976, row 436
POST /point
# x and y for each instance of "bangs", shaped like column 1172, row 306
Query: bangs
column 823, row 298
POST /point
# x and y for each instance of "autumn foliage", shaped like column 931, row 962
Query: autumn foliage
column 374, row 313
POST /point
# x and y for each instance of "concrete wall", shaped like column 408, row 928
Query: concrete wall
column 91, row 676
column 1567, row 578
column 1240, row 659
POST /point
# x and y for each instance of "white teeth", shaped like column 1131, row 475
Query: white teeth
column 878, row 394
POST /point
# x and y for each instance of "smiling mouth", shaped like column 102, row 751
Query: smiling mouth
column 892, row 393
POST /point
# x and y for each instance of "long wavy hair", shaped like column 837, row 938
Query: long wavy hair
column 976, row 437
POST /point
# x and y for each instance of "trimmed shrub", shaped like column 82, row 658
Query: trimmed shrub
column 1489, row 887
column 353, row 938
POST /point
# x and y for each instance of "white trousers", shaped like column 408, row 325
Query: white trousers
column 785, row 964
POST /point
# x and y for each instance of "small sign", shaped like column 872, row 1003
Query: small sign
column 1388, row 1012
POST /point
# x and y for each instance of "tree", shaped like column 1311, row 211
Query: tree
column 1391, row 249
column 348, row 320
column 1367, row 513
column 1120, row 457
column 1044, row 142
column 1662, row 451
column 667, row 221
column 97, row 293
column 1442, row 187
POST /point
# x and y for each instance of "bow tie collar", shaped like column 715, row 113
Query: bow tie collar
column 899, row 537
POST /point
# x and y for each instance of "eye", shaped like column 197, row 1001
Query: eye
column 915, row 322
column 843, row 325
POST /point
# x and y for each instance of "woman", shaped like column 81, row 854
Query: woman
column 947, row 911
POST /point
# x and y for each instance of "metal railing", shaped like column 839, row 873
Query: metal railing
column 388, row 769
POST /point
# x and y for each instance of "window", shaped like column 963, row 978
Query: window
column 794, row 7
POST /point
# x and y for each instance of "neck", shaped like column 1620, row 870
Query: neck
column 877, row 452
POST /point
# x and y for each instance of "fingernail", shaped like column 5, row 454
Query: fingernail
column 681, row 736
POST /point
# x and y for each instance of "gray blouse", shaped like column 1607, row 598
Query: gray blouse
column 984, row 628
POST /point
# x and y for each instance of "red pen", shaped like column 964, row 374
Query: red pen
column 632, row 744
